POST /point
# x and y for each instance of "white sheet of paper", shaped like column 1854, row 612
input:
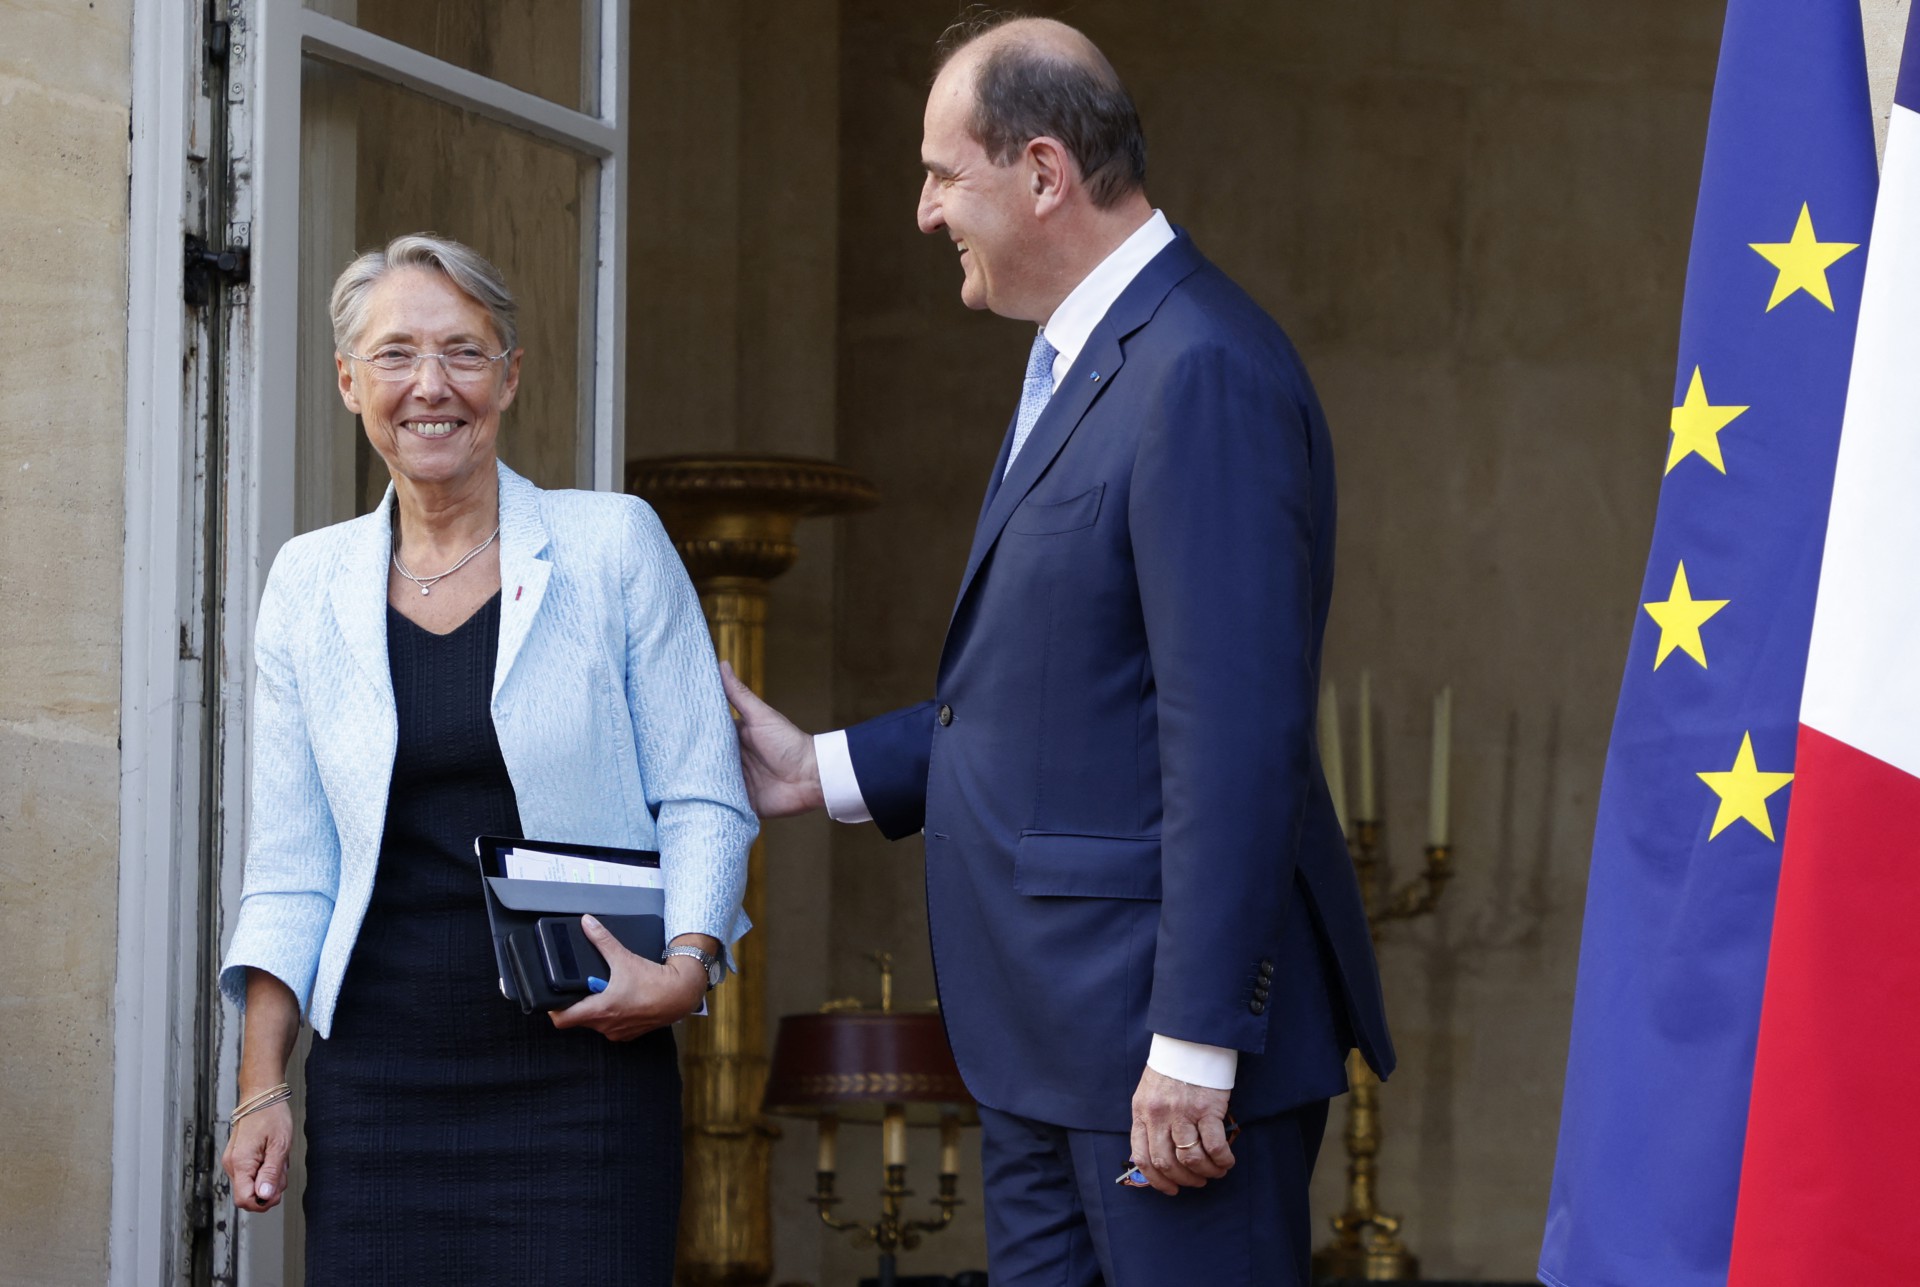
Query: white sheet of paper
column 538, row 864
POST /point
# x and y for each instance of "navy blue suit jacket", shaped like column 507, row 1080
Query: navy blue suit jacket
column 1127, row 827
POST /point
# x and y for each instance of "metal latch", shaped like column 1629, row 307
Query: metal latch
column 204, row 263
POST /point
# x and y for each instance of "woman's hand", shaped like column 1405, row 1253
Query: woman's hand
column 255, row 1159
column 642, row 995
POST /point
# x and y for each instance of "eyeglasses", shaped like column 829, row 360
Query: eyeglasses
column 462, row 363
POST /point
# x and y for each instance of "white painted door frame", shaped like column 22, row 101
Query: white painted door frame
column 160, row 706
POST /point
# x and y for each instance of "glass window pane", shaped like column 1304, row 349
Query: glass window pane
column 378, row 161
column 544, row 47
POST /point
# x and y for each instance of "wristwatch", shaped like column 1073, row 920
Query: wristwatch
column 708, row 961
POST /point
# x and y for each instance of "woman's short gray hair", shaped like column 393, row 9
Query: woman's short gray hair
column 460, row 264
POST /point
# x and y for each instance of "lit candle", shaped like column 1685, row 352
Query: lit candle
column 1330, row 751
column 1368, row 813
column 1442, row 750
column 949, row 1142
column 829, row 1132
column 893, row 1136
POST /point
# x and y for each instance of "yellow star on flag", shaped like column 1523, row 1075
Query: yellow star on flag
column 1803, row 261
column 1680, row 618
column 1696, row 427
column 1743, row 792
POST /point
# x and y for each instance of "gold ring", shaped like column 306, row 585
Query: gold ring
column 1177, row 1147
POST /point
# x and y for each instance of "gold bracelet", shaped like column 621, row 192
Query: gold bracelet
column 281, row 1098
column 265, row 1099
column 252, row 1100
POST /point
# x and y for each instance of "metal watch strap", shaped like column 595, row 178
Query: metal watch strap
column 708, row 961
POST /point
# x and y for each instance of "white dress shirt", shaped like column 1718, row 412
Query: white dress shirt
column 1067, row 330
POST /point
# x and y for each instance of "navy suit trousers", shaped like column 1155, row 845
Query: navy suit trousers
column 1056, row 1217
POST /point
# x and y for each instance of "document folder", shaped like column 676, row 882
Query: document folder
column 620, row 887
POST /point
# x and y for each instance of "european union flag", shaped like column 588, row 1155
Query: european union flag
column 1686, row 852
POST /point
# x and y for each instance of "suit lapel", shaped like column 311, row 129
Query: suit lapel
column 999, row 472
column 523, row 572
column 1079, row 388
column 1092, row 372
column 359, row 595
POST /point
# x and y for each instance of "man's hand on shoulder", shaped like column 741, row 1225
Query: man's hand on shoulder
column 1179, row 1133
column 776, row 758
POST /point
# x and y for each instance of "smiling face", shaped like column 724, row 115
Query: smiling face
column 433, row 431
column 987, row 209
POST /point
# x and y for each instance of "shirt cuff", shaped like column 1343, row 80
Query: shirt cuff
column 838, row 782
column 1190, row 1061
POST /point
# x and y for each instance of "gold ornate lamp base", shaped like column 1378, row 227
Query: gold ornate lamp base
column 1366, row 1240
column 1385, row 1263
column 732, row 519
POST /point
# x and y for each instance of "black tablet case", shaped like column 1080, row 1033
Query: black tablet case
column 634, row 915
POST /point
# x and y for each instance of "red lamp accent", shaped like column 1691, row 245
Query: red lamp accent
column 852, row 1063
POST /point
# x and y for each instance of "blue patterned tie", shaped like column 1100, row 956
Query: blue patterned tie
column 1034, row 394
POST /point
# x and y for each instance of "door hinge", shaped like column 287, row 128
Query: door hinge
column 200, row 1193
column 207, row 264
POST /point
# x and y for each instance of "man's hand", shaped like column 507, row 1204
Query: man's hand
column 1179, row 1133
column 777, row 758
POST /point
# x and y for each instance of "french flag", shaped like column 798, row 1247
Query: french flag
column 1830, row 1179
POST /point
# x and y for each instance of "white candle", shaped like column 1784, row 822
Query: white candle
column 949, row 1143
column 1368, row 811
column 1442, row 751
column 893, row 1136
column 829, row 1132
column 1330, row 751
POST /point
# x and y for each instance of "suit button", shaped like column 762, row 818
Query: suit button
column 946, row 714
column 1266, row 969
column 1258, row 1007
column 1260, row 993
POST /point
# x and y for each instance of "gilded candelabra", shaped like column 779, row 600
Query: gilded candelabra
column 1367, row 1243
column 848, row 1061
column 732, row 520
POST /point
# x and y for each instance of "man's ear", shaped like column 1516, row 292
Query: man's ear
column 343, row 366
column 1051, row 174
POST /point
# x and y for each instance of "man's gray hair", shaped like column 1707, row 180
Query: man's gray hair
column 465, row 267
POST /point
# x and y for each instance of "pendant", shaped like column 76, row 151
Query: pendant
column 426, row 589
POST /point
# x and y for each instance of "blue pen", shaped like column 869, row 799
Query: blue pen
column 595, row 984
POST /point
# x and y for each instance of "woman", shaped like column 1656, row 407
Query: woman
column 475, row 657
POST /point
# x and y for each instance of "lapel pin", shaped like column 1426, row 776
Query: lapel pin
column 1096, row 377
column 516, row 592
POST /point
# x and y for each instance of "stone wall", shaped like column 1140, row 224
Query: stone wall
column 65, row 85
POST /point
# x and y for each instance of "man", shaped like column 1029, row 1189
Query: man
column 1142, row 911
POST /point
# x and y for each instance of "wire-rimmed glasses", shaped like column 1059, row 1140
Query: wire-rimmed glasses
column 463, row 363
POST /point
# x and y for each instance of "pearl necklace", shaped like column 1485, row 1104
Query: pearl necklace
column 426, row 583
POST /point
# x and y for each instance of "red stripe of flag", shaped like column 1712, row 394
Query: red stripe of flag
column 1830, row 1182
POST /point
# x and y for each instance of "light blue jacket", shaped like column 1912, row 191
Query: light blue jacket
column 606, row 701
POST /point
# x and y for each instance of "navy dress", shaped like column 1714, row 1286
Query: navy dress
column 451, row 1139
